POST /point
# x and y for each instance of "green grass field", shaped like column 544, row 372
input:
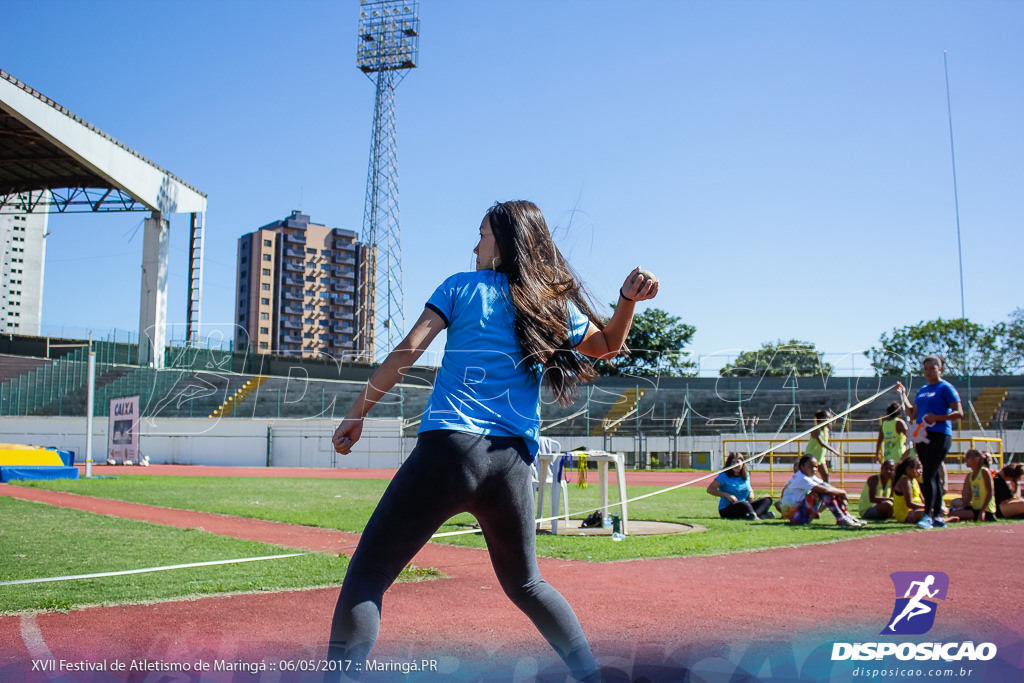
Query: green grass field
column 39, row 541
column 346, row 504
column 79, row 543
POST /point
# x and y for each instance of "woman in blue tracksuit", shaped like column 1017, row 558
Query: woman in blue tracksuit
column 521, row 318
column 936, row 406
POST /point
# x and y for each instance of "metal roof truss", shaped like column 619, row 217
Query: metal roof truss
column 71, row 200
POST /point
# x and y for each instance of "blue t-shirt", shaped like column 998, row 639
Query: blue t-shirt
column 737, row 486
column 936, row 399
column 484, row 386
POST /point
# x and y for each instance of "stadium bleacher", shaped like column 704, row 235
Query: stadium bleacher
column 202, row 382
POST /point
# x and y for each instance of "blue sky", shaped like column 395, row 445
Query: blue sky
column 784, row 167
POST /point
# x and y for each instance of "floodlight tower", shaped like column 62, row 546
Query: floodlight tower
column 388, row 48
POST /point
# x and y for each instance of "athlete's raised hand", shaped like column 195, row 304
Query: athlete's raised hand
column 640, row 285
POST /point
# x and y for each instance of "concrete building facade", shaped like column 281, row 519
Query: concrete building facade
column 297, row 290
column 23, row 239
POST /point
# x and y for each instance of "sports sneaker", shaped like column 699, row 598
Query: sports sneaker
column 925, row 523
column 938, row 521
column 848, row 523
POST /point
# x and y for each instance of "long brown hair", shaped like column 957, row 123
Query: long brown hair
column 731, row 461
column 541, row 283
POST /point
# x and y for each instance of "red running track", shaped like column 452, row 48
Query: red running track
column 665, row 619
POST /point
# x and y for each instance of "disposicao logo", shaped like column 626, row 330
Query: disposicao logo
column 917, row 596
column 914, row 612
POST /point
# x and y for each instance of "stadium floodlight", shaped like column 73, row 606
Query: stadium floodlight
column 388, row 47
column 389, row 32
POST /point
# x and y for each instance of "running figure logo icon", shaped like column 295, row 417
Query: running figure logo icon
column 914, row 612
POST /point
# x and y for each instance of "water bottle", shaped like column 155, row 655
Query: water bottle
column 617, row 535
column 606, row 521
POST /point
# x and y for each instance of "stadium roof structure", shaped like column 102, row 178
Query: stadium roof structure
column 52, row 161
column 51, row 157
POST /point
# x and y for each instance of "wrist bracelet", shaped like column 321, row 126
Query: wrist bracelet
column 623, row 295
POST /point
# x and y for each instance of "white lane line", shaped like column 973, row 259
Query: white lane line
column 33, row 638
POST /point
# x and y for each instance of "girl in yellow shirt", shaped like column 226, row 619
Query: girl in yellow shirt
column 907, row 501
column 978, row 503
column 817, row 442
column 892, row 435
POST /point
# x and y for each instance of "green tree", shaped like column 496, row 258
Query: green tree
column 1007, row 345
column 781, row 359
column 655, row 342
column 966, row 347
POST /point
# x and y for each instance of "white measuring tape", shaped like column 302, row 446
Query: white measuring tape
column 463, row 532
column 706, row 476
column 150, row 569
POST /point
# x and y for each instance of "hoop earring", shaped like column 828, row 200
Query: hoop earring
column 495, row 262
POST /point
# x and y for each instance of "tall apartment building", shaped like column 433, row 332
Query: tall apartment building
column 298, row 284
column 23, row 239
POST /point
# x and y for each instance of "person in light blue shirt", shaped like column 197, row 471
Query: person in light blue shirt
column 936, row 406
column 519, row 322
column 485, row 385
column 736, row 497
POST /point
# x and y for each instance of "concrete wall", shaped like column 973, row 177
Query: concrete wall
column 227, row 442
column 307, row 442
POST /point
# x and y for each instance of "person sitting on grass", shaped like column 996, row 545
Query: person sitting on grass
column 1006, row 485
column 978, row 502
column 805, row 494
column 907, row 501
column 876, row 498
column 736, row 498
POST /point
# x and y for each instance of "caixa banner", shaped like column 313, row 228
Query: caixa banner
column 123, row 431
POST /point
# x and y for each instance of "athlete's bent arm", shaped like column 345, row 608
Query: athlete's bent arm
column 956, row 413
column 714, row 488
column 387, row 375
column 986, row 476
column 607, row 343
column 825, row 489
column 909, row 408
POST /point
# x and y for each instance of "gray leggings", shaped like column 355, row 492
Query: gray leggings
column 447, row 473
